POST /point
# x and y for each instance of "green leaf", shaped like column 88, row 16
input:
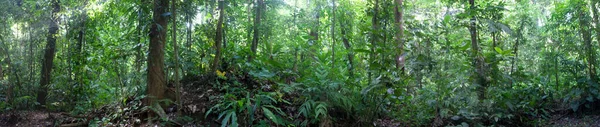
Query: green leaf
column 270, row 115
column 446, row 19
column 498, row 50
column 225, row 121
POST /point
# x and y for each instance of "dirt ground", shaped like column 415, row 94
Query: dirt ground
column 28, row 119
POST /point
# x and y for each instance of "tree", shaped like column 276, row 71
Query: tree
column 595, row 15
column 374, row 35
column 587, row 40
column 219, row 37
column 478, row 61
column 346, row 41
column 398, row 36
column 176, row 55
column 333, row 35
column 156, row 75
column 49, row 53
column 255, row 35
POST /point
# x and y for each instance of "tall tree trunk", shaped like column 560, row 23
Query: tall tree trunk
column 79, row 57
column 139, row 53
column 295, row 67
column 314, row 32
column 597, row 29
column 374, row 37
column 514, row 68
column 219, row 37
column 255, row 36
column 188, row 19
column 176, row 55
column 333, row 35
column 31, row 54
column 1, row 71
column 587, row 39
column 158, row 33
column 478, row 61
column 49, row 54
column 348, row 47
column 398, row 10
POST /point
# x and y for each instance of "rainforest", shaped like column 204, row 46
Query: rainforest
column 289, row 63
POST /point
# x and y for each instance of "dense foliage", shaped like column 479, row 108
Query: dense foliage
column 302, row 62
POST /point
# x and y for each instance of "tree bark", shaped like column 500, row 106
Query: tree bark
column 79, row 57
column 219, row 37
column 514, row 68
column 255, row 36
column 478, row 61
column 139, row 53
column 156, row 75
column 1, row 71
column 348, row 47
column 587, row 39
column 398, row 11
column 597, row 29
column 374, row 38
column 333, row 35
column 176, row 55
column 49, row 54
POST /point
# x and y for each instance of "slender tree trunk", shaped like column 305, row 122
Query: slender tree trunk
column 374, row 36
column 398, row 10
column 556, row 71
column 314, row 32
column 513, row 67
column 255, row 36
column 219, row 37
column 295, row 67
column 49, row 54
column 333, row 35
column 138, row 49
column 597, row 29
column 79, row 56
column 350, row 54
column 587, row 39
column 1, row 71
column 156, row 75
column 478, row 61
column 188, row 19
column 176, row 55
column 31, row 55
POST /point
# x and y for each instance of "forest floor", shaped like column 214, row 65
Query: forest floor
column 198, row 96
column 40, row 118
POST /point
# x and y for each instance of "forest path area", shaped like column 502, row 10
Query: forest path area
column 591, row 120
column 36, row 118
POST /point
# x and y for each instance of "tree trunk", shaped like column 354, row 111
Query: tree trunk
column 139, row 53
column 587, row 39
column 31, row 55
column 219, row 37
column 176, row 55
column 514, row 68
column 79, row 57
column 597, row 29
column 478, row 61
column 374, row 37
column 314, row 32
column 156, row 75
column 1, row 71
column 49, row 54
column 348, row 47
column 258, row 9
column 398, row 10
column 333, row 35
